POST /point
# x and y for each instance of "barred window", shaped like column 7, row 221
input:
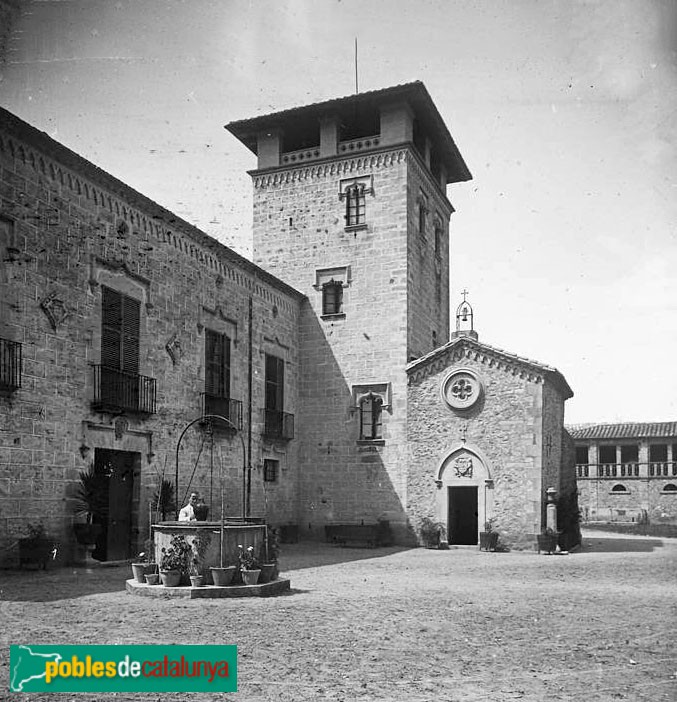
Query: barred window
column 370, row 417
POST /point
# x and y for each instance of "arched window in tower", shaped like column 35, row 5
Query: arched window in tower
column 332, row 297
column 422, row 213
column 355, row 205
column 370, row 417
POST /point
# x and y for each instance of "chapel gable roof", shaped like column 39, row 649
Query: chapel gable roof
column 466, row 347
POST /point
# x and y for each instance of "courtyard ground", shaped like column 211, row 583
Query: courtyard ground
column 390, row 624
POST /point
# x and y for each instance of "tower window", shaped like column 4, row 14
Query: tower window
column 355, row 205
column 422, row 213
column 370, row 417
column 332, row 297
column 354, row 191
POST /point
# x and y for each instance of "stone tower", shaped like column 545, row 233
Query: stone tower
column 350, row 208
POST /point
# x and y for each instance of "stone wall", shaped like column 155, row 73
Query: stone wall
column 68, row 229
column 428, row 269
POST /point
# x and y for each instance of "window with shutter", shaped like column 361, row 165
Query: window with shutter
column 120, row 326
column 274, row 383
column 217, row 364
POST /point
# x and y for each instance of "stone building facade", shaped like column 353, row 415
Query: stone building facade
column 486, row 440
column 121, row 324
column 107, row 302
column 627, row 472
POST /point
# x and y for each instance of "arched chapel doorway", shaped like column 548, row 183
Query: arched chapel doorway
column 465, row 494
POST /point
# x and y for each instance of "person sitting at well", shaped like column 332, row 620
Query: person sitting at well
column 187, row 513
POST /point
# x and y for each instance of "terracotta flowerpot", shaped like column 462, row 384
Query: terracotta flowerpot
column 170, row 578
column 267, row 572
column 197, row 580
column 222, row 576
column 139, row 571
column 250, row 577
column 153, row 579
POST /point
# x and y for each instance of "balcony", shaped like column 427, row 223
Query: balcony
column 10, row 365
column 653, row 469
column 278, row 425
column 119, row 391
column 225, row 407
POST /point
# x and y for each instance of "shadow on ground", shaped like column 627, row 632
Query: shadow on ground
column 314, row 554
column 61, row 583
column 54, row 584
column 618, row 544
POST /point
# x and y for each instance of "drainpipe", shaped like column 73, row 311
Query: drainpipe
column 249, row 407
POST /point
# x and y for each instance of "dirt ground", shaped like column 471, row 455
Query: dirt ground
column 390, row 624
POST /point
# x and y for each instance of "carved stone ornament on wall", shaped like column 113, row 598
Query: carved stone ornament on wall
column 461, row 389
column 121, row 426
column 463, row 467
column 55, row 309
column 174, row 349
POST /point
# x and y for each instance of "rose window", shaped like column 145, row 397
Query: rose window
column 462, row 389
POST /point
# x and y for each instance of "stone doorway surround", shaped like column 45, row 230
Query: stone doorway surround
column 464, row 466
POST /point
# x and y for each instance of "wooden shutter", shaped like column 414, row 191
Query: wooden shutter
column 111, row 328
column 274, row 383
column 131, row 322
column 120, row 324
column 217, row 364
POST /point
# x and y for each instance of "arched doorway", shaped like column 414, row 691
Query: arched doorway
column 465, row 494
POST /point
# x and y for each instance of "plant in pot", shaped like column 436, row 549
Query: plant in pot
column 91, row 505
column 488, row 537
column 144, row 568
column 269, row 554
column 431, row 532
column 199, row 550
column 36, row 548
column 249, row 565
column 174, row 562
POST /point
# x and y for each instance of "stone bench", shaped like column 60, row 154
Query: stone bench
column 371, row 535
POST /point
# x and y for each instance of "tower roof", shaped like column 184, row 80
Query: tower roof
column 414, row 94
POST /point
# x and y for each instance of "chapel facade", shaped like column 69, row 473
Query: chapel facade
column 330, row 354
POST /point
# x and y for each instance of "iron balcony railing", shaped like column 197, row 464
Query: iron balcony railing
column 116, row 391
column 652, row 469
column 223, row 406
column 278, row 425
column 10, row 365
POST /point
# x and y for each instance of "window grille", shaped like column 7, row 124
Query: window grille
column 10, row 364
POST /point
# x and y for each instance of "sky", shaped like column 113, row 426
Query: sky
column 564, row 110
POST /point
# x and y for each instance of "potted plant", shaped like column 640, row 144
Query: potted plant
column 269, row 555
column 200, row 544
column 431, row 532
column 249, row 565
column 91, row 502
column 547, row 541
column 488, row 537
column 145, row 565
column 174, row 561
column 36, row 548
